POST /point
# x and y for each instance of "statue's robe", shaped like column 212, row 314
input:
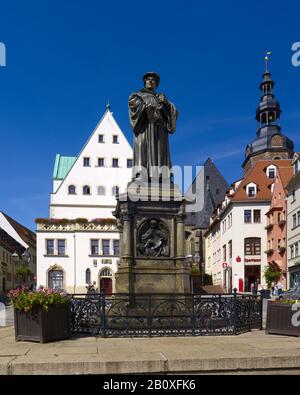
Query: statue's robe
column 151, row 131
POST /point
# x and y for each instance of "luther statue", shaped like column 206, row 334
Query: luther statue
column 152, row 118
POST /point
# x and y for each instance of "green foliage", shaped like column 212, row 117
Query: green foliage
column 207, row 279
column 25, row 300
column 271, row 275
column 195, row 271
column 23, row 272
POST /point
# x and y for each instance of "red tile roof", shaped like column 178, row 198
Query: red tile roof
column 258, row 176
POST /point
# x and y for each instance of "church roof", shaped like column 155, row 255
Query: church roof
column 62, row 166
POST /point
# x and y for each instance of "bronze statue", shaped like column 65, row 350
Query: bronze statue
column 152, row 118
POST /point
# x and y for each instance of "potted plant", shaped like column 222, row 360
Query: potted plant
column 42, row 315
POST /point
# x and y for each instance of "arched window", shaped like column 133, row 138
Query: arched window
column 86, row 190
column 271, row 171
column 56, row 279
column 101, row 190
column 106, row 273
column 115, row 190
column 88, row 276
column 72, row 190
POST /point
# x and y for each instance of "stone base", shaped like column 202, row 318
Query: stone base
column 144, row 267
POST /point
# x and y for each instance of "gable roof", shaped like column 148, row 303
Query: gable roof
column 26, row 235
column 62, row 166
column 285, row 174
column 9, row 243
column 258, row 176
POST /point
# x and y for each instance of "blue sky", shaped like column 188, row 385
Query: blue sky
column 66, row 58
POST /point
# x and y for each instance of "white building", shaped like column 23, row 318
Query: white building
column 236, row 240
column 293, row 224
column 79, row 244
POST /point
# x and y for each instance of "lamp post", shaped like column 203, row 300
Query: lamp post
column 24, row 259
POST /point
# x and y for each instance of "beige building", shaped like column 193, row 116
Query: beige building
column 293, row 224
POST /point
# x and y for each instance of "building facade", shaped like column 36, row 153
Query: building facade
column 293, row 224
column 276, row 223
column 79, row 244
column 236, row 241
column 20, row 239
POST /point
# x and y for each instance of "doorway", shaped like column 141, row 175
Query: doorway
column 106, row 284
column 252, row 276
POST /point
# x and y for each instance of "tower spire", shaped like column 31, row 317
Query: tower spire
column 267, row 59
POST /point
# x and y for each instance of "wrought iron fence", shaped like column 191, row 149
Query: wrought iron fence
column 123, row 315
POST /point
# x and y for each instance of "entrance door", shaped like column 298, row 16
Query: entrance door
column 252, row 276
column 106, row 286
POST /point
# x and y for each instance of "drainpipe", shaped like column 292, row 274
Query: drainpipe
column 74, row 263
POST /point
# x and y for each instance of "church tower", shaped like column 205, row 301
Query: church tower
column 269, row 143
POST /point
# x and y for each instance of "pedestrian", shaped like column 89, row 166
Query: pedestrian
column 273, row 288
column 279, row 288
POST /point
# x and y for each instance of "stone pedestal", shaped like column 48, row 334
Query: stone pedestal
column 152, row 256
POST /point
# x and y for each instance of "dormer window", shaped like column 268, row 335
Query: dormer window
column 271, row 171
column 251, row 190
column 100, row 138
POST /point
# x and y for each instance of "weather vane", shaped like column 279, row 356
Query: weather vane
column 267, row 59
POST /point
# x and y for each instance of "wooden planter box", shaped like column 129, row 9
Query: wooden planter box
column 279, row 319
column 43, row 326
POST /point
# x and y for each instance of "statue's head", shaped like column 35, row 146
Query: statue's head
column 153, row 223
column 151, row 80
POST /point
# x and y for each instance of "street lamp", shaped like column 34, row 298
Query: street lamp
column 25, row 259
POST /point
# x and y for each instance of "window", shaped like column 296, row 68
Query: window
column 50, row 247
column 279, row 217
column 292, row 251
column 116, row 247
column 298, row 218
column 106, row 273
column 294, row 195
column 230, row 249
column 207, row 178
column 294, row 220
column 61, row 247
column 278, row 243
column 129, row 163
column 115, row 139
column 271, row 172
column 256, row 216
column 86, row 162
column 101, row 190
column 224, row 253
column 56, row 279
column 86, row 190
column 94, row 247
column 247, row 216
column 296, row 167
column 115, row 190
column 251, row 191
column 88, row 276
column 296, row 250
column 217, row 191
column 72, row 190
column 115, row 162
column 252, row 246
column 101, row 138
column 100, row 162
column 105, row 247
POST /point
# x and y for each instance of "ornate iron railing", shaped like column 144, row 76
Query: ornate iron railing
column 123, row 315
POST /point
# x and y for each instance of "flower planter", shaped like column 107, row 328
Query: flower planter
column 43, row 326
column 280, row 319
